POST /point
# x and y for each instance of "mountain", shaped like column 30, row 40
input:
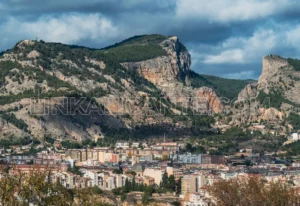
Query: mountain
column 139, row 87
column 275, row 97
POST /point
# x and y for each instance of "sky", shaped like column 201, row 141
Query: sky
column 225, row 38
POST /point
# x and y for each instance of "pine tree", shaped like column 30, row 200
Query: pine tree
column 178, row 186
column 133, row 184
column 171, row 183
column 126, row 186
column 164, row 181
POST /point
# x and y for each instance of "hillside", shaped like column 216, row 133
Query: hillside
column 274, row 99
column 136, row 88
column 77, row 93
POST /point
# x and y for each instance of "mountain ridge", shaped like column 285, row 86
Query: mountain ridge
column 52, row 70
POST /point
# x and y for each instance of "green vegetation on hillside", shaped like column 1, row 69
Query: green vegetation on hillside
column 11, row 117
column 292, row 148
column 294, row 119
column 53, row 56
column 229, row 88
column 5, row 68
column 140, row 40
column 134, row 53
column 12, row 141
column 295, row 63
column 274, row 99
column 137, row 48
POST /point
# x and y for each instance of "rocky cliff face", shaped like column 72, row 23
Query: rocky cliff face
column 250, row 91
column 271, row 66
column 168, row 69
column 274, row 97
column 170, row 73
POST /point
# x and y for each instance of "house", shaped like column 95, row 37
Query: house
column 123, row 145
column 148, row 180
column 228, row 175
column 187, row 158
column 156, row 173
column 77, row 154
column 66, row 179
column 138, row 169
column 135, row 144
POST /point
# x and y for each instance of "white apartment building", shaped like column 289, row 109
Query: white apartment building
column 188, row 158
column 123, row 145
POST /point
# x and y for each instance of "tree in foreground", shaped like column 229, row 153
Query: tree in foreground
column 253, row 191
column 38, row 189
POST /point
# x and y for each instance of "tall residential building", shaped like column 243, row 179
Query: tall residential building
column 188, row 184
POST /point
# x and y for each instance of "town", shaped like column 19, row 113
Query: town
column 169, row 167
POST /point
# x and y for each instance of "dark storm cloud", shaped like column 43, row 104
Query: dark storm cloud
column 112, row 7
column 225, row 38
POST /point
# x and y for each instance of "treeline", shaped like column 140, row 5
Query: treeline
column 12, row 141
column 137, row 48
column 71, row 145
column 135, row 53
column 295, row 63
column 131, row 186
column 168, row 184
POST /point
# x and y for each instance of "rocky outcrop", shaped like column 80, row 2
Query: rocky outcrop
column 250, row 91
column 33, row 54
column 170, row 74
column 165, row 69
column 271, row 66
column 271, row 114
column 207, row 100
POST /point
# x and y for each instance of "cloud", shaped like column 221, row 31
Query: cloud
column 293, row 37
column 67, row 28
column 108, row 7
column 243, row 50
column 231, row 10
column 71, row 28
column 227, row 56
column 225, row 38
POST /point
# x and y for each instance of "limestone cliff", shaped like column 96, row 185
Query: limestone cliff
column 170, row 73
column 271, row 66
column 274, row 97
